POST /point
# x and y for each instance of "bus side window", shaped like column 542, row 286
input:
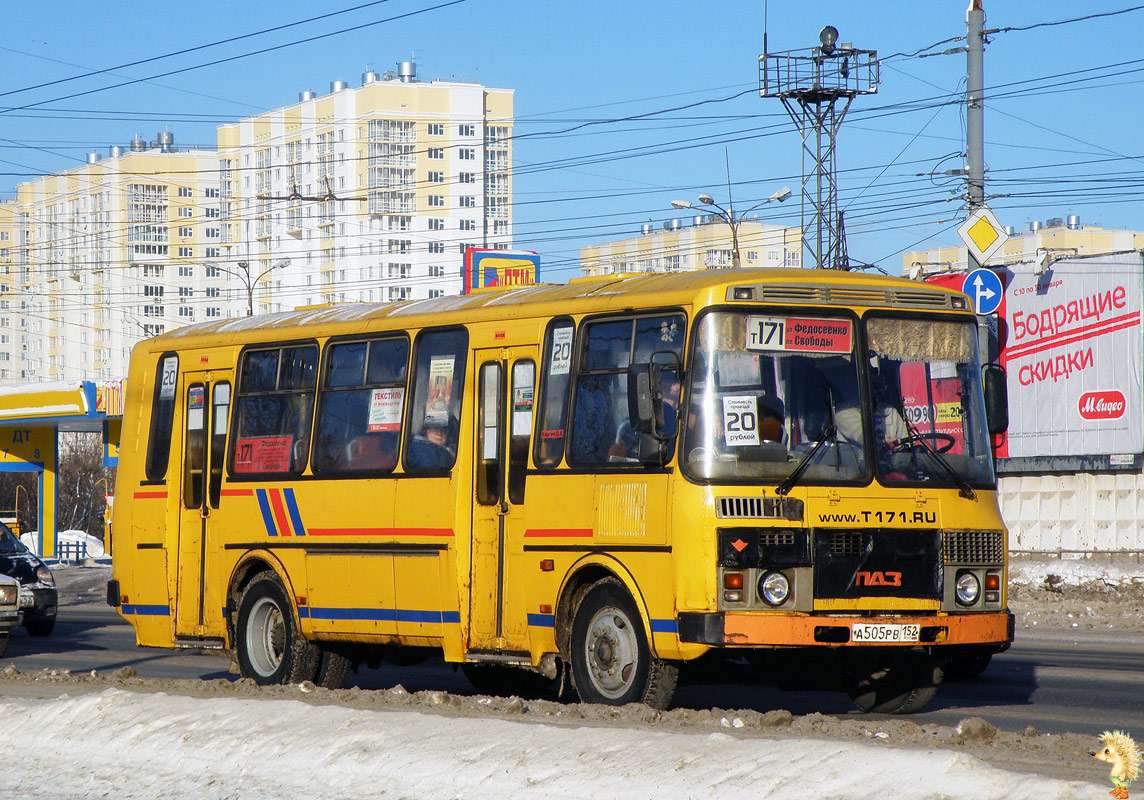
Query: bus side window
column 438, row 386
column 162, row 417
column 361, row 406
column 274, row 407
column 523, row 387
column 553, row 402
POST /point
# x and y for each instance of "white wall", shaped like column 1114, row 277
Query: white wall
column 1074, row 513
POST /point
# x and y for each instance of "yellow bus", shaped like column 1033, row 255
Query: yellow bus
column 612, row 476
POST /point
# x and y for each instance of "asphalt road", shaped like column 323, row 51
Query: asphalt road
column 1057, row 681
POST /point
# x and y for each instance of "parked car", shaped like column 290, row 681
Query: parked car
column 38, row 595
column 9, row 609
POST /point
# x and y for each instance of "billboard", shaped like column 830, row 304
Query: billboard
column 1072, row 345
column 485, row 267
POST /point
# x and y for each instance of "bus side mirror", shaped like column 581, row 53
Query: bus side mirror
column 996, row 399
column 645, row 397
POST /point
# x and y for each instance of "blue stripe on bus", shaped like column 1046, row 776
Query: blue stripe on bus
column 292, row 508
column 145, row 610
column 380, row 614
column 267, row 517
column 664, row 626
column 542, row 620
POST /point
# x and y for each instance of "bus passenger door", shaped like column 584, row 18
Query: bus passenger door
column 206, row 406
column 504, row 405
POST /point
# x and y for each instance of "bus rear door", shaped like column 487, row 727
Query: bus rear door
column 198, row 605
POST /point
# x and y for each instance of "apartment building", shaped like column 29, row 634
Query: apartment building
column 1055, row 237
column 368, row 193
column 10, row 320
column 106, row 253
column 702, row 242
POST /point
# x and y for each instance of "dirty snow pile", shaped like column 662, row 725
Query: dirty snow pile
column 125, row 745
column 1075, row 572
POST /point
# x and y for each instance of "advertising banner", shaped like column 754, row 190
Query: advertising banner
column 1072, row 346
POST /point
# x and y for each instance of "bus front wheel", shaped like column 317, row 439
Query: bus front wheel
column 611, row 661
column 271, row 649
column 888, row 681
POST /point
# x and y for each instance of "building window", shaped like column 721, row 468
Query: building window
column 436, row 129
column 436, row 247
column 467, row 201
column 213, row 272
column 436, row 177
column 186, row 233
column 186, row 272
column 466, row 129
column 467, row 177
column 186, row 252
column 186, row 311
column 436, row 224
column 213, row 312
column 212, row 233
column 186, row 191
column 213, row 291
column 436, row 292
column 186, row 211
column 436, row 201
column 468, row 224
column 436, row 271
column 213, row 252
column 186, row 291
column 437, row 153
column 467, row 154
column 212, row 192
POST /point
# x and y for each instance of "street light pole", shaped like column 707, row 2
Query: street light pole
column 728, row 215
column 249, row 283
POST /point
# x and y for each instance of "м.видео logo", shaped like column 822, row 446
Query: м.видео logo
column 1101, row 405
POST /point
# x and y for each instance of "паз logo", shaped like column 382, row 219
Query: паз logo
column 878, row 578
column 1101, row 405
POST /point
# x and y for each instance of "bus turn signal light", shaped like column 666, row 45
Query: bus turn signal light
column 733, row 580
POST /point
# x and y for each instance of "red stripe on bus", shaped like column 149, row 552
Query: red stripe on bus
column 149, row 496
column 564, row 533
column 238, row 493
column 279, row 512
column 380, row 531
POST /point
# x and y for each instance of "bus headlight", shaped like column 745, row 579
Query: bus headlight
column 774, row 588
column 967, row 588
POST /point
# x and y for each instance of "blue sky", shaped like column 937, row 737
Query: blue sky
column 1062, row 110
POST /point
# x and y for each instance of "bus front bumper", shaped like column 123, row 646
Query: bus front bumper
column 732, row 629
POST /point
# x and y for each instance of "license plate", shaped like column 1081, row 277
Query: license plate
column 871, row 632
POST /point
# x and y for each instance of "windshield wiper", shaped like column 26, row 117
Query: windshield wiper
column 965, row 490
column 788, row 483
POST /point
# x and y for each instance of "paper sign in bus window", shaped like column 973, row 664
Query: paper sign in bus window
column 799, row 335
column 385, row 410
column 740, row 421
column 561, row 351
column 440, row 390
column 266, row 454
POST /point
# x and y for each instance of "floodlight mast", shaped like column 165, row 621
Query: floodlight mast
column 810, row 83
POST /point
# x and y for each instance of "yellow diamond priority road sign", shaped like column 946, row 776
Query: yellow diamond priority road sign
column 982, row 234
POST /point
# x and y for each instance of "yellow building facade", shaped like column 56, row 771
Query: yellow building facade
column 368, row 193
column 704, row 243
column 107, row 253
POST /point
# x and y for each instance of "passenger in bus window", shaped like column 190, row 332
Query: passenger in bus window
column 435, row 447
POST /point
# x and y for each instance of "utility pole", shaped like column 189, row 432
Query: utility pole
column 975, row 146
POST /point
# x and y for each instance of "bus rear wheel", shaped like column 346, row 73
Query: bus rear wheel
column 611, row 661
column 892, row 682
column 271, row 649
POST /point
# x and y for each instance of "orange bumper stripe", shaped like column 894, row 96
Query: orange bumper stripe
column 784, row 629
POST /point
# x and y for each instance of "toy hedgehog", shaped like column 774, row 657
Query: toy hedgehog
column 1120, row 751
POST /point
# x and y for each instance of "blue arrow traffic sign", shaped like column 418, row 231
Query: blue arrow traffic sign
column 984, row 289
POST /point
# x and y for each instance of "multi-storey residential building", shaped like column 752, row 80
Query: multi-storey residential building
column 705, row 244
column 366, row 194
column 1056, row 237
column 10, row 319
column 107, row 253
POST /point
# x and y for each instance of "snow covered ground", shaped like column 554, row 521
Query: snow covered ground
column 124, row 745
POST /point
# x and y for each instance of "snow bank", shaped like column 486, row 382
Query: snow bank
column 124, row 745
column 1075, row 572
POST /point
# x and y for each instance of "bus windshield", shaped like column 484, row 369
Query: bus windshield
column 767, row 391
column 928, row 409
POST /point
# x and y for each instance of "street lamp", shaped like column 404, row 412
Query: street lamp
column 729, row 216
column 249, row 282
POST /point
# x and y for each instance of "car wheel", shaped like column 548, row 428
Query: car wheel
column 271, row 649
column 3, row 643
column 40, row 626
column 611, row 661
